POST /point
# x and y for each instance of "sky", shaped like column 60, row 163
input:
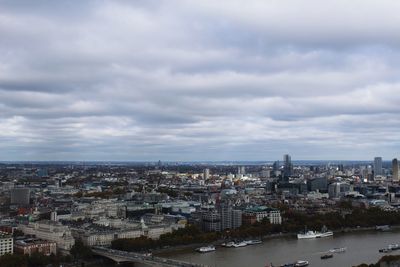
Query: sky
column 199, row 80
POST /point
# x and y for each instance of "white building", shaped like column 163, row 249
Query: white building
column 50, row 230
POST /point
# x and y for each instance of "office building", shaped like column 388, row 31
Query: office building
column 378, row 166
column 395, row 170
column 206, row 174
column 287, row 166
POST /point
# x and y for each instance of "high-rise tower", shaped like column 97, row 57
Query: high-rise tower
column 395, row 170
column 378, row 166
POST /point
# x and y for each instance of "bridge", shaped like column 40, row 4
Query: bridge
column 120, row 256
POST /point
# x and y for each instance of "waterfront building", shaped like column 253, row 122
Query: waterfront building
column 211, row 221
column 261, row 212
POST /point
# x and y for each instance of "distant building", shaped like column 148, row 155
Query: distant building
column 206, row 174
column 6, row 244
column 287, row 167
column 20, row 196
column 378, row 166
column 337, row 189
column 395, row 170
column 318, row 183
column 33, row 245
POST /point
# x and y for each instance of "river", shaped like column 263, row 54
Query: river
column 362, row 247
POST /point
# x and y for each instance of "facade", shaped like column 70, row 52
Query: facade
column 395, row 170
column 52, row 231
column 29, row 246
column 6, row 244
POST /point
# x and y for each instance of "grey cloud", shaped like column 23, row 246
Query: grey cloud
column 194, row 80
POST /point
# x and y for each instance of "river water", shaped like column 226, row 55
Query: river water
column 362, row 247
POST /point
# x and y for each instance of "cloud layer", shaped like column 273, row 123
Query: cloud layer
column 199, row 80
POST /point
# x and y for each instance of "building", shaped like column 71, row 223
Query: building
column 287, row 166
column 261, row 212
column 318, row 183
column 33, row 245
column 378, row 166
column 337, row 190
column 230, row 218
column 211, row 221
column 52, row 231
column 20, row 196
column 395, row 170
column 206, row 174
column 6, row 244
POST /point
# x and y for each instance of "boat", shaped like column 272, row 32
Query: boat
column 338, row 250
column 301, row 263
column 228, row 245
column 314, row 234
column 253, row 242
column 382, row 228
column 385, row 250
column 394, row 246
column 326, row 256
column 206, row 249
column 240, row 244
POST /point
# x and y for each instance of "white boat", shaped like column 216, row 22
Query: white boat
column 228, row 245
column 315, row 234
column 253, row 242
column 307, row 235
column 301, row 263
column 240, row 244
column 324, row 234
column 338, row 250
column 206, row 249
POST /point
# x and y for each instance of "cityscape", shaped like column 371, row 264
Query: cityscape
column 227, row 133
column 159, row 210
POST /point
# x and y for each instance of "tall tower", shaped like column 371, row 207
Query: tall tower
column 287, row 166
column 378, row 166
column 206, row 174
column 395, row 170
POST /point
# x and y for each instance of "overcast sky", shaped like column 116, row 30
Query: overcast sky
column 199, row 80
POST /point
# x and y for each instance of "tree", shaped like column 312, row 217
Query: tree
column 80, row 251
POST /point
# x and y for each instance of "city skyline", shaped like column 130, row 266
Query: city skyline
column 196, row 81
